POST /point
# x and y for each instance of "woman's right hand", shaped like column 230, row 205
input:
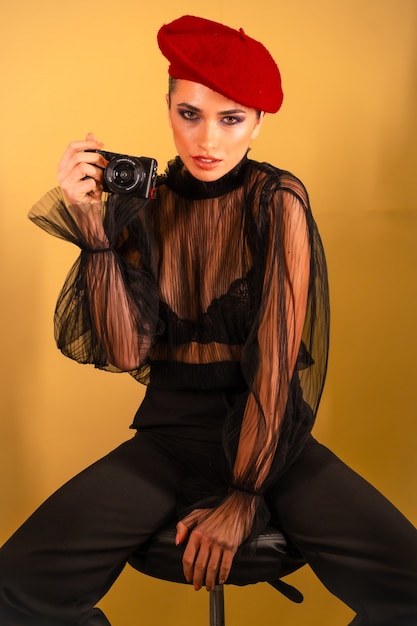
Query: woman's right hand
column 80, row 173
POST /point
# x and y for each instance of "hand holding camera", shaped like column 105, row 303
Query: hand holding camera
column 85, row 171
column 80, row 171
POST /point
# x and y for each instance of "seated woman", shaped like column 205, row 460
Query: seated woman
column 213, row 293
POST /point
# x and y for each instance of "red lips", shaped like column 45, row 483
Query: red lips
column 205, row 162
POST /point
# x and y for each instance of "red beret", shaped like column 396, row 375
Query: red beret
column 223, row 59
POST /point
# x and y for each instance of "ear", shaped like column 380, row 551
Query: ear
column 258, row 125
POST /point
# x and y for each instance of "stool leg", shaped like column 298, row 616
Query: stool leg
column 217, row 606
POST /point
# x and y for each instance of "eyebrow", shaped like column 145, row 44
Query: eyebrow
column 191, row 107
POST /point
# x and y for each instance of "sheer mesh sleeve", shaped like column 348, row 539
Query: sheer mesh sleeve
column 107, row 311
column 284, row 359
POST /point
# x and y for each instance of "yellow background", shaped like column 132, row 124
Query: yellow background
column 347, row 128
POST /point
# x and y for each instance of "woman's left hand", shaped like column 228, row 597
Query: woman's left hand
column 205, row 562
column 215, row 537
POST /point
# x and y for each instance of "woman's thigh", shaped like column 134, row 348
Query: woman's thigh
column 69, row 552
column 361, row 547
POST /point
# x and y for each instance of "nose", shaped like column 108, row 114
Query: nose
column 209, row 136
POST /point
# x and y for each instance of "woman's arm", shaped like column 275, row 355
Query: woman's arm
column 80, row 174
column 107, row 311
column 218, row 533
column 265, row 408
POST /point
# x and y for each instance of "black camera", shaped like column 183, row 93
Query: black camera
column 126, row 174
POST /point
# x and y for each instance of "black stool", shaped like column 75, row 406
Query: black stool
column 265, row 559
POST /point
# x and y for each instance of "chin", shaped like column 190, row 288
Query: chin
column 207, row 177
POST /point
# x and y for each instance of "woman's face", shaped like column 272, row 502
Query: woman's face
column 211, row 133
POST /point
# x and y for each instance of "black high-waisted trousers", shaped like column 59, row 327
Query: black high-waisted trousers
column 67, row 555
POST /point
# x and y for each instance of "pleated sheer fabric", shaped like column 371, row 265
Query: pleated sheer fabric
column 219, row 285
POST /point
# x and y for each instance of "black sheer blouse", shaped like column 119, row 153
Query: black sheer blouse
column 219, row 285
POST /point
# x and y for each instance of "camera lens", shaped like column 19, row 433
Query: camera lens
column 124, row 174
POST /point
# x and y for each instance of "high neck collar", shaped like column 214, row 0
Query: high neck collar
column 183, row 183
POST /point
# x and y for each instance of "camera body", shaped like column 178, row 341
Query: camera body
column 126, row 174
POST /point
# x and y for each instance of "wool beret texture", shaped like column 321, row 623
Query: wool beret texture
column 224, row 59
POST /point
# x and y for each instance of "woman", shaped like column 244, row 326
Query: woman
column 214, row 294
